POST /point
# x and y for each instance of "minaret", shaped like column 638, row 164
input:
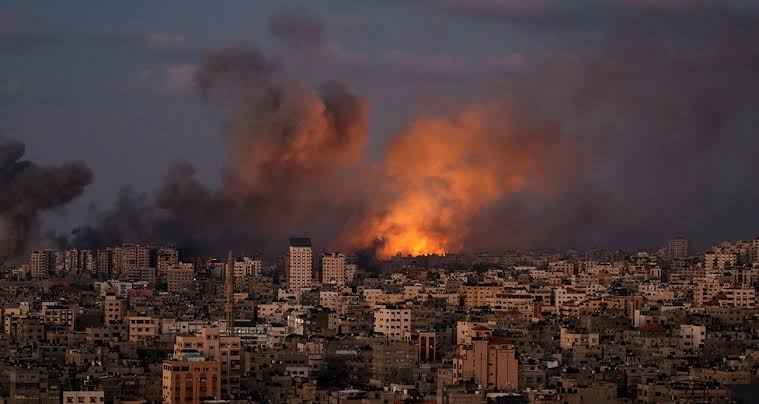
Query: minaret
column 230, row 292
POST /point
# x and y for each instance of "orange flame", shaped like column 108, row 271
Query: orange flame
column 443, row 171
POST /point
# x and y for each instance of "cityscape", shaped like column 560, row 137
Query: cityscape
column 135, row 323
column 379, row 201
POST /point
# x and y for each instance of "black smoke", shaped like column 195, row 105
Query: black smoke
column 26, row 189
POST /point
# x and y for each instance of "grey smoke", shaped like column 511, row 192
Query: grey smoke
column 26, row 189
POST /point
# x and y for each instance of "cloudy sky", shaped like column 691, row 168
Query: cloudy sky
column 655, row 101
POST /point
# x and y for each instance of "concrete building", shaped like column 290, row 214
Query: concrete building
column 114, row 309
column 31, row 386
column 130, row 257
column 104, row 263
column 59, row 315
column 142, row 328
column 392, row 321
column 692, row 337
column 247, row 268
column 678, row 248
column 78, row 261
column 333, row 269
column 489, row 361
column 42, row 264
column 179, row 278
column 569, row 339
column 211, row 343
column 191, row 380
column 166, row 258
column 84, row 397
column 299, row 264
column 425, row 342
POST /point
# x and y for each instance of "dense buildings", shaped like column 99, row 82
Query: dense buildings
column 143, row 326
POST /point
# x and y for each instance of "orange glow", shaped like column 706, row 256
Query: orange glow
column 443, row 171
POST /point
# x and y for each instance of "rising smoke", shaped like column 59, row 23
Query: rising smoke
column 294, row 159
column 650, row 132
column 26, row 189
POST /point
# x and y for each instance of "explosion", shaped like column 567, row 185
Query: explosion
column 443, row 170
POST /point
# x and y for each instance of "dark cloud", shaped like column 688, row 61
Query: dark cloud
column 26, row 189
column 666, row 117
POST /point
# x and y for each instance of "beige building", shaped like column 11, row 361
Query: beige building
column 738, row 297
column 114, row 309
column 692, row 336
column 478, row 295
column 568, row 339
column 248, row 268
column 60, row 315
column 191, row 380
column 42, row 264
column 392, row 321
column 333, row 269
column 489, row 361
column 299, row 264
column 211, row 343
column 180, row 277
column 130, row 257
column 142, row 328
column 166, row 258
column 719, row 261
column 84, row 397
column 78, row 261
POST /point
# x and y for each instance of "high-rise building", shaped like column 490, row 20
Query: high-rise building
column 247, row 268
column 191, row 380
column 42, row 263
column 678, row 248
column 299, row 264
column 78, row 261
column 166, row 258
column 754, row 250
column 217, row 345
column 488, row 361
column 229, row 292
column 392, row 321
column 104, row 265
column 180, row 277
column 333, row 269
column 130, row 257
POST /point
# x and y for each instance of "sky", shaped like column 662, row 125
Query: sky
column 622, row 122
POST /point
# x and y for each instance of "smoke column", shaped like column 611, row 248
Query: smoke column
column 26, row 189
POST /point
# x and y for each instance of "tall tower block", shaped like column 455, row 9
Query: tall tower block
column 229, row 292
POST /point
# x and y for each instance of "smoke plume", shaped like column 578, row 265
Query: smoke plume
column 289, row 148
column 26, row 189
column 647, row 132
